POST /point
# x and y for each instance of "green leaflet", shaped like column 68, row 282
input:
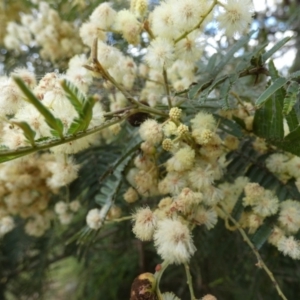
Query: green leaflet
column 29, row 133
column 275, row 48
column 275, row 86
column 54, row 123
column 83, row 106
column 290, row 97
column 229, row 126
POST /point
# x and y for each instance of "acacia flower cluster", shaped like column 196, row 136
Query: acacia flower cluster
column 44, row 28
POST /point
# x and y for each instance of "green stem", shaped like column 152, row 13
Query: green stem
column 255, row 251
column 198, row 25
column 158, row 275
column 119, row 220
column 189, row 281
column 56, row 142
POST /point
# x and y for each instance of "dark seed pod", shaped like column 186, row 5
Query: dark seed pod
column 143, row 287
column 138, row 118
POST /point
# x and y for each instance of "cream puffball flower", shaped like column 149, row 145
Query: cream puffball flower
column 237, row 16
column 182, row 160
column 160, row 53
column 289, row 215
column 144, row 224
column 94, row 219
column 173, row 241
column 150, row 131
column 289, row 246
column 103, row 16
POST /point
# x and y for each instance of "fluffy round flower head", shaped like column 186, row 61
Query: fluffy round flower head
column 200, row 178
column 150, row 131
column 212, row 195
column 237, row 16
column 131, row 195
column 275, row 236
column 47, row 83
column 182, row 160
column 90, row 31
column 128, row 25
column 169, row 128
column 289, row 215
column 10, row 97
column 277, row 163
column 144, row 162
column 289, row 246
column 162, row 21
column 108, row 55
column 74, row 205
column 103, row 16
column 173, row 183
column 266, row 205
column 6, row 225
column 188, row 49
column 13, row 137
column 293, row 167
column 165, row 203
column 64, row 171
column 145, row 223
column 207, row 217
column 160, row 53
column 148, row 148
column 186, row 201
column 27, row 76
column 187, row 13
column 37, row 225
column 204, row 120
column 34, row 118
column 94, row 219
column 169, row 296
column 253, row 192
column 61, row 207
column 173, row 241
column 146, row 182
column 79, row 75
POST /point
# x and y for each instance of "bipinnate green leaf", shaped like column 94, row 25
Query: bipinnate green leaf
column 290, row 97
column 275, row 86
column 54, row 123
column 29, row 133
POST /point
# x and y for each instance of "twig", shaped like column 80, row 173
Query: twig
column 165, row 76
column 189, row 281
column 255, row 251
